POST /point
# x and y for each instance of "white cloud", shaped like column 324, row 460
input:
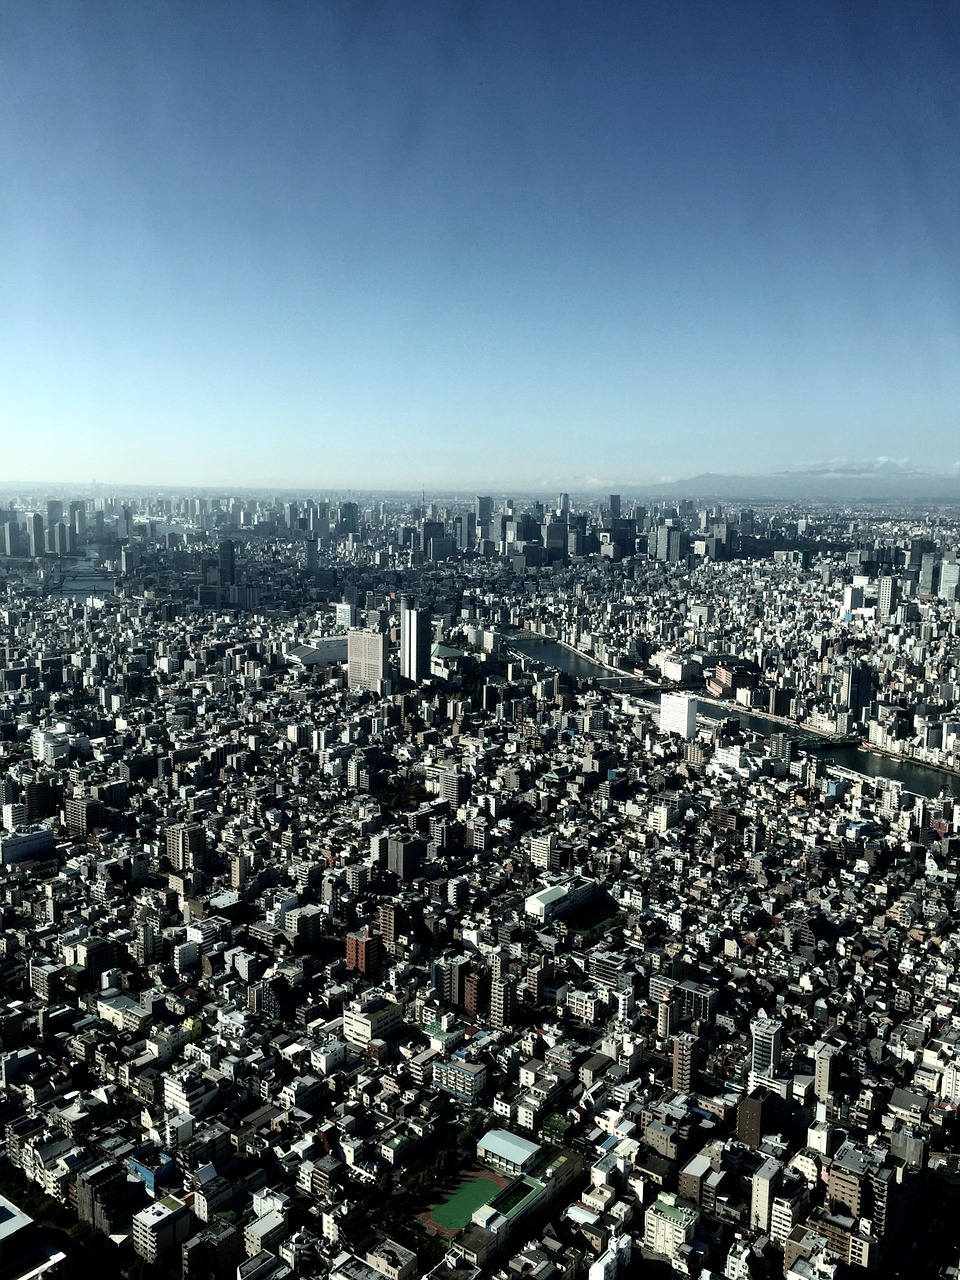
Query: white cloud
column 883, row 463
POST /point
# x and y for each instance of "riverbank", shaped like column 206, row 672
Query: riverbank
column 870, row 750
column 915, row 776
column 537, row 637
column 918, row 779
column 802, row 730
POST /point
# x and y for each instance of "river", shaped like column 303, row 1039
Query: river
column 914, row 777
column 552, row 654
column 86, row 577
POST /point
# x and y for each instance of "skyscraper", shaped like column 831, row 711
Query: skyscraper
column 35, row 533
column 60, row 539
column 929, row 572
column 366, row 659
column 465, row 531
column 678, row 714
column 10, row 536
column 888, row 595
column 78, row 519
column 312, row 556
column 949, row 580
column 857, row 689
column 348, row 520
column 226, row 562
column 414, row 641
column 672, row 544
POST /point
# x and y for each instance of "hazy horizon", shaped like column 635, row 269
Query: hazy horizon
column 397, row 246
column 889, row 485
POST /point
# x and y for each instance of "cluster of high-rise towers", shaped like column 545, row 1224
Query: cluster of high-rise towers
column 368, row 651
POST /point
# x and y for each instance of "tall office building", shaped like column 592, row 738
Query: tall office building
column 867, row 1182
column 10, row 531
column 852, row 599
column 465, row 531
column 366, row 659
column 348, row 519
column 186, row 845
column 476, row 992
column 313, row 561
column 917, row 547
column 484, row 511
column 78, row 519
column 929, row 572
column 949, row 585
column 857, row 690
column 61, row 539
column 391, row 923
column 765, row 1051
column 613, row 502
column 888, row 595
column 35, row 533
column 161, row 1226
column 429, row 530
column 783, row 747
column 668, row 1015
column 405, row 856
column 226, row 562
column 672, row 544
column 415, row 642
column 755, row 1114
column 678, row 714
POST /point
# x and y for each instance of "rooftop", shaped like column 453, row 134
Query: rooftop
column 508, row 1146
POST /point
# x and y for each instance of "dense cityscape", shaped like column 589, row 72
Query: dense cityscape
column 399, row 885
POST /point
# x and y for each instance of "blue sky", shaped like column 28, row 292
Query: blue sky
column 405, row 244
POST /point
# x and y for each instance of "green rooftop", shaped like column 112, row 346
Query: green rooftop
column 516, row 1197
column 675, row 1213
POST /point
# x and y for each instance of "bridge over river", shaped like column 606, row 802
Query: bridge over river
column 845, row 752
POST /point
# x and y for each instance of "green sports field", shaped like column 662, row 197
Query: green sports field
column 458, row 1208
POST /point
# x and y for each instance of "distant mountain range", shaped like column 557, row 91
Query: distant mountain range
column 834, row 486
